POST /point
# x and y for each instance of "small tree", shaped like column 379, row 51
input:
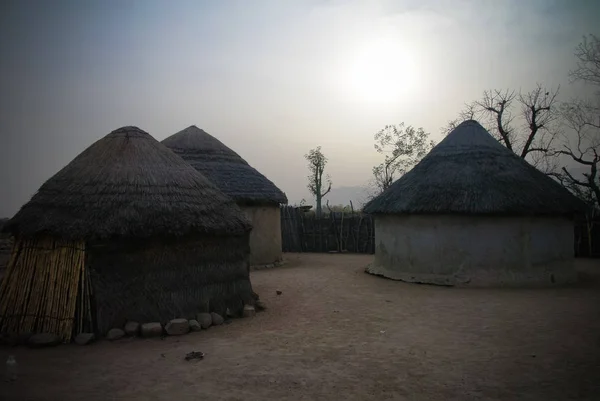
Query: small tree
column 316, row 166
column 404, row 148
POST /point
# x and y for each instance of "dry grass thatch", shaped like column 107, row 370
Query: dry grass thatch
column 232, row 174
column 128, row 184
column 470, row 172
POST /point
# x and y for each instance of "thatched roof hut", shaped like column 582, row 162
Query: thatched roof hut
column 258, row 197
column 157, row 239
column 473, row 212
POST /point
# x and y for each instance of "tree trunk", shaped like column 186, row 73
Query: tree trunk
column 318, row 209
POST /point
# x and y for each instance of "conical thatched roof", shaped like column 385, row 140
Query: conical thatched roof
column 470, row 172
column 128, row 184
column 232, row 174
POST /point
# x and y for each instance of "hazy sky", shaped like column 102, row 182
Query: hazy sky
column 271, row 79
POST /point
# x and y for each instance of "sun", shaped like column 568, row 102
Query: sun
column 381, row 71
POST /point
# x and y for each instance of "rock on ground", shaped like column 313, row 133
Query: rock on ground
column 216, row 319
column 44, row 340
column 205, row 320
column 153, row 329
column 177, row 327
column 132, row 328
column 84, row 338
column 260, row 305
column 249, row 311
column 194, row 325
column 115, row 334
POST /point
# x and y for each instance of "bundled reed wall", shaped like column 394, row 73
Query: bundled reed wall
column 161, row 279
column 45, row 288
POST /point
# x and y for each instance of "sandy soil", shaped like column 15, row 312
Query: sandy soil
column 336, row 333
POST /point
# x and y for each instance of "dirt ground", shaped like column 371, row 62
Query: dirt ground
column 337, row 333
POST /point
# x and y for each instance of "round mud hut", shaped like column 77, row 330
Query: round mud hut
column 473, row 213
column 126, row 231
column 257, row 196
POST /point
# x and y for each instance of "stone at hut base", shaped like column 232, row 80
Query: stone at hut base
column 216, row 319
column 132, row 329
column 205, row 320
column 249, row 311
column 194, row 325
column 44, row 340
column 269, row 266
column 260, row 305
column 153, row 329
column 84, row 338
column 115, row 334
column 279, row 263
column 177, row 327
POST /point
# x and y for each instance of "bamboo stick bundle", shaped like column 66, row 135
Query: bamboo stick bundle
column 41, row 294
column 74, row 284
column 64, row 268
column 41, row 287
column 59, row 299
column 50, row 273
column 19, row 276
column 18, row 298
column 35, row 267
column 45, row 286
column 69, row 264
column 70, row 279
column 58, row 257
column 28, row 266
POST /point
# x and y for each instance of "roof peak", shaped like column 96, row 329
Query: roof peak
column 468, row 136
column 193, row 138
column 221, row 164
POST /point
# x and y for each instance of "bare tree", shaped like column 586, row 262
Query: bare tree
column 588, row 61
column 524, row 122
column 582, row 120
column 404, row 148
column 581, row 137
column 316, row 166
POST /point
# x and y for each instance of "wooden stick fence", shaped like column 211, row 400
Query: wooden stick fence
column 354, row 232
column 333, row 232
